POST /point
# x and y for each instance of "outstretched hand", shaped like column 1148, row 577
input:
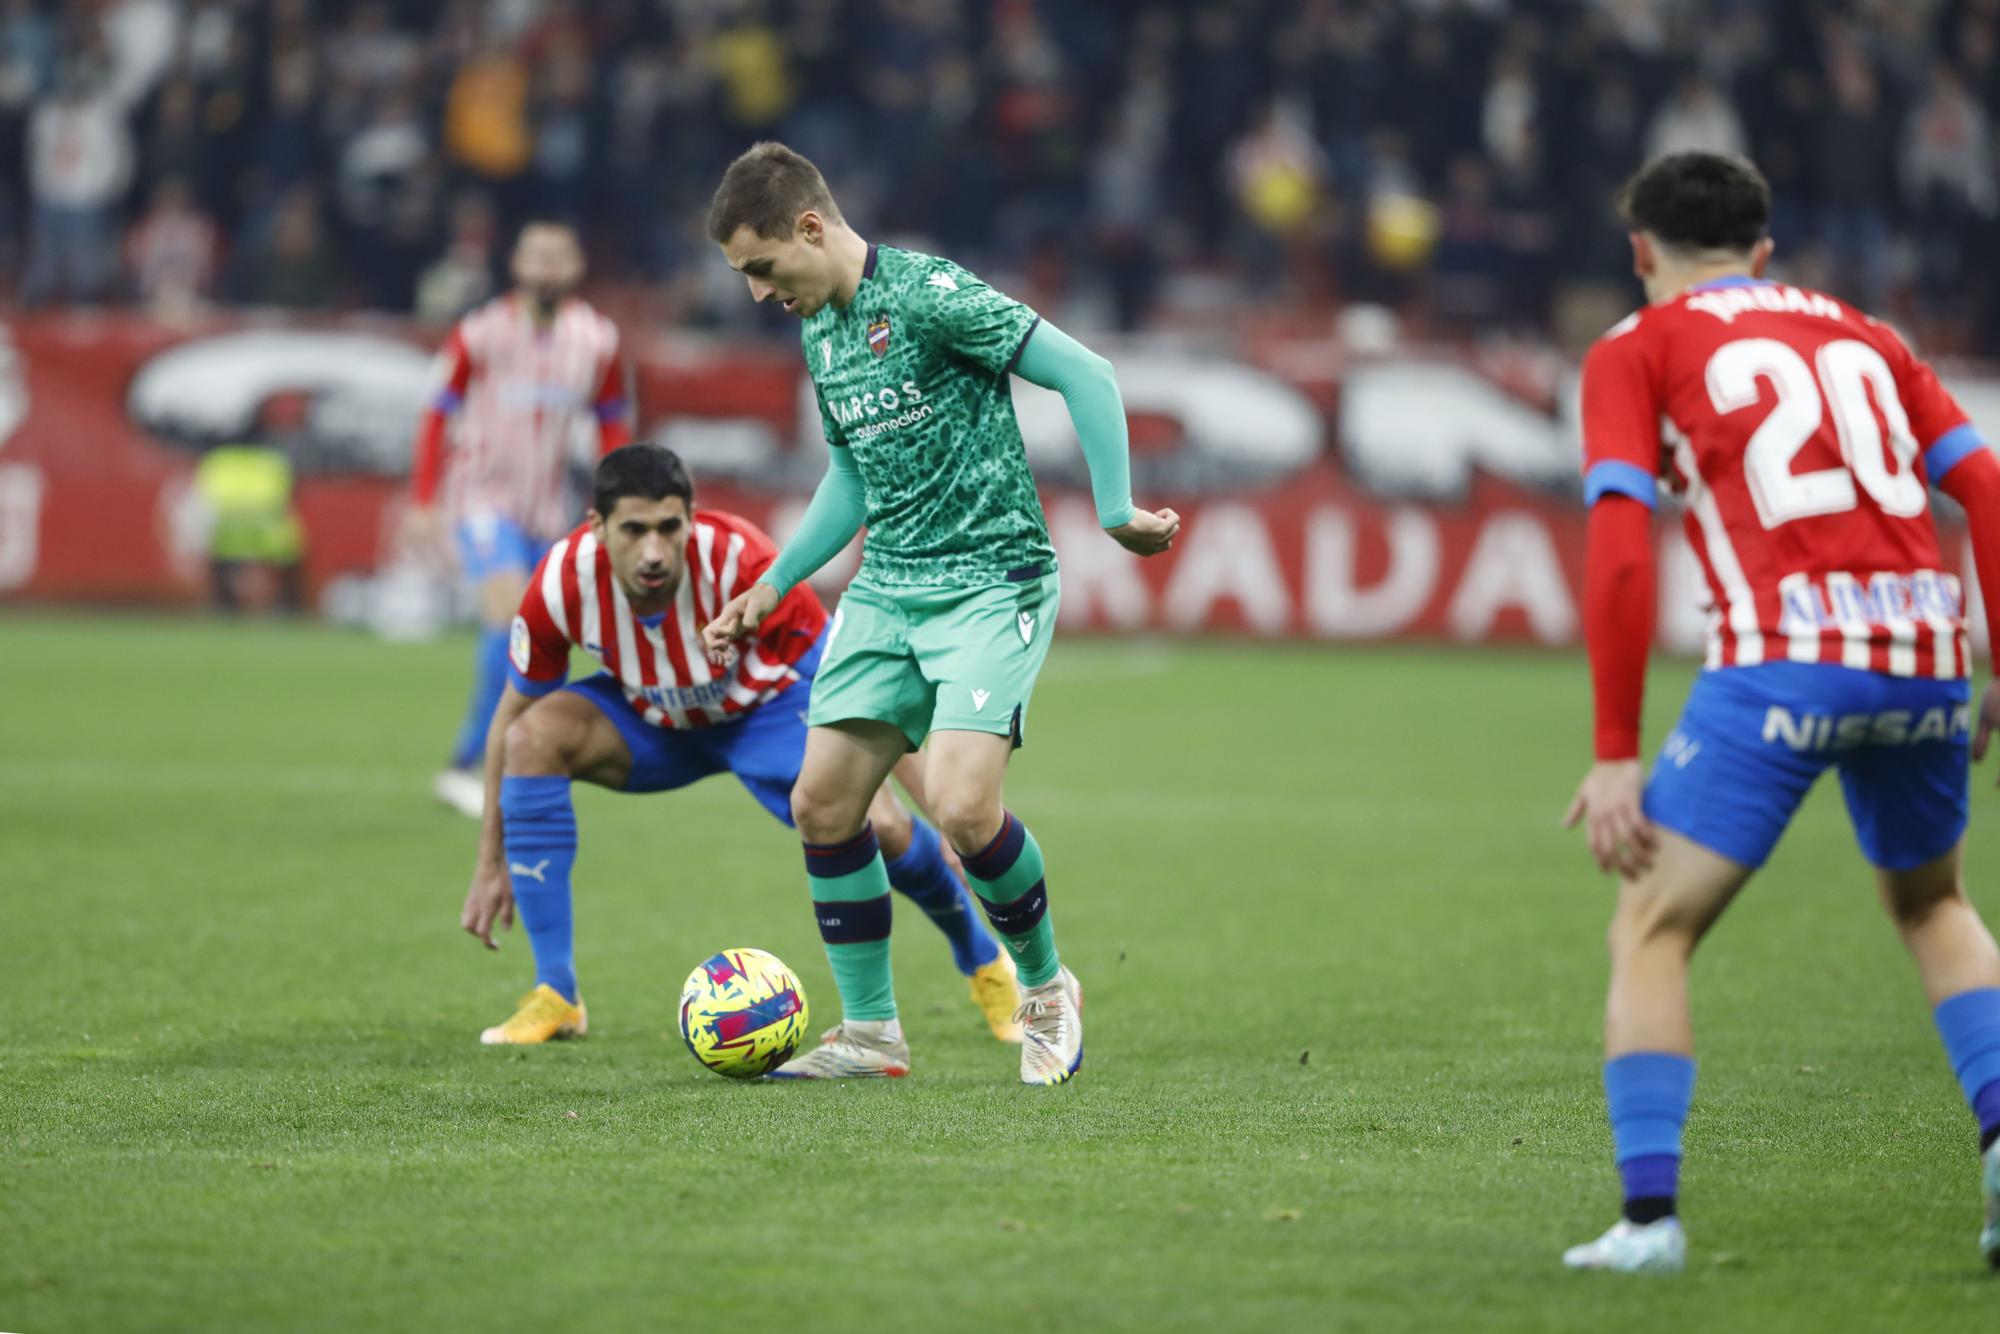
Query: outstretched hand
column 1147, row 533
column 740, row 616
column 1610, row 803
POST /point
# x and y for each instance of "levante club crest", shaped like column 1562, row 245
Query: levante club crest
column 878, row 334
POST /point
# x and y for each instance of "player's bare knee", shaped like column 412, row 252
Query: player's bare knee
column 540, row 742
column 1645, row 921
column 825, row 817
column 1914, row 906
column 970, row 822
column 1913, row 896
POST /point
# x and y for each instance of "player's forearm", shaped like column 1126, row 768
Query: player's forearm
column 1974, row 482
column 1054, row 360
column 835, row 515
column 1618, row 615
column 427, row 457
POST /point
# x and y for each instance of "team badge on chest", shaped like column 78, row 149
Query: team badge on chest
column 878, row 334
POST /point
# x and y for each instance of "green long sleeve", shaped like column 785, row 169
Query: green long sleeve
column 835, row 515
column 1054, row 360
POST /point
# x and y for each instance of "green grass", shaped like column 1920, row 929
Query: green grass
column 239, row 1088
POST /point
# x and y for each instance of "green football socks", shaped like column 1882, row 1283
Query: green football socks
column 850, row 890
column 1007, row 875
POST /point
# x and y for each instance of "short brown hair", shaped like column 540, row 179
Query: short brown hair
column 765, row 190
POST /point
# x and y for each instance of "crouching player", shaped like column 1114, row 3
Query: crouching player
column 1802, row 436
column 632, row 586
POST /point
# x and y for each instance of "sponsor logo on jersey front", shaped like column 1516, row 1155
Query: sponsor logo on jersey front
column 889, row 408
column 707, row 696
column 1839, row 599
column 878, row 334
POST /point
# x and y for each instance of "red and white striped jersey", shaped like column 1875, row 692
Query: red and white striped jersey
column 1802, row 437
column 573, row 598
column 524, row 397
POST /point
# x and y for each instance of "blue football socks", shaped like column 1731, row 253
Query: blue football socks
column 1969, row 1023
column 539, row 833
column 1648, row 1094
column 489, row 679
column 922, row 875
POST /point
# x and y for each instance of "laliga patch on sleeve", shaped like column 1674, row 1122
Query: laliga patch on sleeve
column 517, row 645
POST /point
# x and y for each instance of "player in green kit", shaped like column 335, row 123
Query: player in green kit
column 942, row 633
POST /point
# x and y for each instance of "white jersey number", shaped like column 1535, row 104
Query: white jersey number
column 1853, row 383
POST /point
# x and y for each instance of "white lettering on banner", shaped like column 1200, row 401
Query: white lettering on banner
column 13, row 388
column 1335, row 607
column 1228, row 556
column 1238, row 415
column 1892, row 727
column 374, row 385
column 1513, row 564
column 20, row 523
column 1101, row 585
column 1422, row 429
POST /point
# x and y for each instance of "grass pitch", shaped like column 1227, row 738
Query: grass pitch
column 1343, row 973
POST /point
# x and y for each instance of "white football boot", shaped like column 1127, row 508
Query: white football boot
column 464, row 790
column 1634, row 1248
column 857, row 1049
column 1051, row 1020
column 1989, row 1186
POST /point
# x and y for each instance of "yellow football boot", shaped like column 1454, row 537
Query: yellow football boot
column 997, row 992
column 542, row 1015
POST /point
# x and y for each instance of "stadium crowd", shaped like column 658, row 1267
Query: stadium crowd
column 1126, row 162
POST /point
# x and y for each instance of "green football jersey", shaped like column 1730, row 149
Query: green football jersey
column 912, row 378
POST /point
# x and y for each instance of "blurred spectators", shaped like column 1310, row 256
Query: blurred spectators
column 291, row 263
column 172, row 253
column 1129, row 162
column 79, row 163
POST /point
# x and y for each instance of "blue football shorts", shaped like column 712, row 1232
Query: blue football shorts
column 490, row 543
column 764, row 748
column 1752, row 740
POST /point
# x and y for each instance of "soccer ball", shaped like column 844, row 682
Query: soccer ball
column 743, row 1013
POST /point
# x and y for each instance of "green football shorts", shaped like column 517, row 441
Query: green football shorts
column 937, row 659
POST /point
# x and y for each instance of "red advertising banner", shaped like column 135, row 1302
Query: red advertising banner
column 1327, row 494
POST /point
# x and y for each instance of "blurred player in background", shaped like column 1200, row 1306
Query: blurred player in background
column 1801, row 436
column 523, row 374
column 944, row 629
column 633, row 586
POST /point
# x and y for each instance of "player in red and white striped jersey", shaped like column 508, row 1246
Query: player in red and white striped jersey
column 525, row 376
column 632, row 587
column 1803, row 438
column 575, row 599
